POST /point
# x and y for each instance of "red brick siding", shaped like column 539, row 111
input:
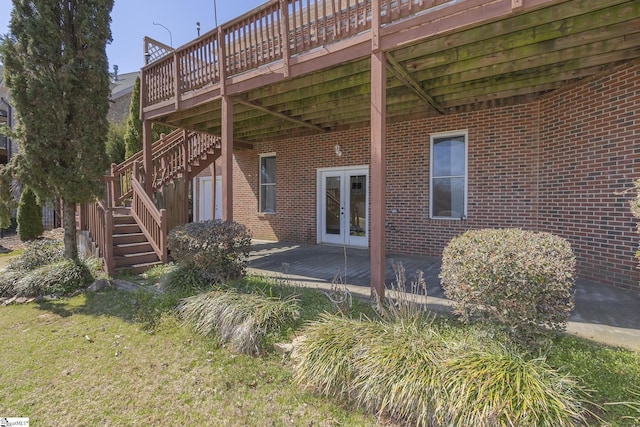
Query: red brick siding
column 590, row 145
column 553, row 165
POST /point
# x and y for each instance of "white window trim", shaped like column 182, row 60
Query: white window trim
column 260, row 184
column 465, row 134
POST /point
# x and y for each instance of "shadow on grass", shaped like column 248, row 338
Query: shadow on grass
column 108, row 303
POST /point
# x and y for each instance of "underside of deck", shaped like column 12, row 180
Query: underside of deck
column 457, row 56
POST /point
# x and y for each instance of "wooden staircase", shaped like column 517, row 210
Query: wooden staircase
column 128, row 229
column 132, row 251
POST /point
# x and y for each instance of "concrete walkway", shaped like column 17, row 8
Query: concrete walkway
column 602, row 313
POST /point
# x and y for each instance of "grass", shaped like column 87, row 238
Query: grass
column 7, row 257
column 119, row 358
column 85, row 361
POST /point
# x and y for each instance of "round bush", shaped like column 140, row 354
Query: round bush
column 218, row 249
column 520, row 280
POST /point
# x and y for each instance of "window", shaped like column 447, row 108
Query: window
column 448, row 187
column 268, row 183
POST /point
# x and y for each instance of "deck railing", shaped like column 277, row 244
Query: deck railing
column 274, row 31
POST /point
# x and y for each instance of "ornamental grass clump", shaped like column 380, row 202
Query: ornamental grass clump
column 495, row 386
column 426, row 373
column 59, row 278
column 38, row 253
column 240, row 320
column 519, row 280
column 219, row 249
column 327, row 354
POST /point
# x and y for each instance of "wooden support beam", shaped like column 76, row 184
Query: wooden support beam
column 147, row 157
column 279, row 115
column 212, row 170
column 401, row 74
column 378, row 159
column 227, row 158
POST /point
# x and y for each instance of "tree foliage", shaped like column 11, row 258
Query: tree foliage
column 115, row 145
column 7, row 200
column 133, row 134
column 29, row 216
column 55, row 66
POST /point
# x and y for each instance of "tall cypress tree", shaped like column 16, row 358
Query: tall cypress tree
column 55, row 65
column 133, row 134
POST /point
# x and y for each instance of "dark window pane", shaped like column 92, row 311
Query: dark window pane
column 448, row 197
column 448, row 156
column 268, row 170
column 268, row 198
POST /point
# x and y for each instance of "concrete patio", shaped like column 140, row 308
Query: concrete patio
column 602, row 313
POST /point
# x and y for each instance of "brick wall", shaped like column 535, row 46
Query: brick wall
column 554, row 165
column 590, row 153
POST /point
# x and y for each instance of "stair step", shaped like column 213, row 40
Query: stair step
column 135, row 258
column 137, row 268
column 119, row 219
column 126, row 228
column 123, row 239
column 132, row 248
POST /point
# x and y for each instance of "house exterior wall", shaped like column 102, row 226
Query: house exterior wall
column 590, row 152
column 554, row 165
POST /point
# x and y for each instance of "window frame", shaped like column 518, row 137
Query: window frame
column 262, row 184
column 441, row 135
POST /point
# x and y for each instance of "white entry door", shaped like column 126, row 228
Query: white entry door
column 343, row 201
column 205, row 205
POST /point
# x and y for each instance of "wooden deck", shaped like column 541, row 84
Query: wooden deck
column 299, row 67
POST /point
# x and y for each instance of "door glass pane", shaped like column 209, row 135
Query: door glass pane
column 332, row 210
column 358, row 205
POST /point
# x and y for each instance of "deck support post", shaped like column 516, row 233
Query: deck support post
column 378, row 156
column 214, row 191
column 227, row 158
column 147, row 157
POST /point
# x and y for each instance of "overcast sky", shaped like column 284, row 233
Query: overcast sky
column 131, row 20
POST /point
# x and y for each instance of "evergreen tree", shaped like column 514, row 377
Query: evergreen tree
column 55, row 65
column 29, row 216
column 115, row 142
column 133, row 135
column 7, row 201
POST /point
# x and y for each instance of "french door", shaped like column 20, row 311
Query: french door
column 343, row 205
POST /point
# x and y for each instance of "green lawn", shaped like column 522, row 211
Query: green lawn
column 115, row 358
column 86, row 361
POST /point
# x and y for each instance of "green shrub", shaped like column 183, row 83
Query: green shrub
column 518, row 280
column 424, row 374
column 219, row 249
column 241, row 320
column 185, row 281
column 29, row 216
column 38, row 253
column 60, row 278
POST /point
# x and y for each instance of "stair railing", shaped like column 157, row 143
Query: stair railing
column 152, row 221
column 172, row 156
column 97, row 219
